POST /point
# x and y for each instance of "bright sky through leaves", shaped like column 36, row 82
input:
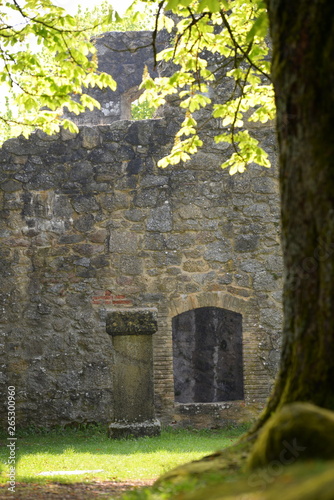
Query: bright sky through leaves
column 72, row 5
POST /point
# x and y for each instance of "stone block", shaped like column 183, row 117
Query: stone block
column 90, row 137
column 246, row 243
column 146, row 198
column 134, row 411
column 85, row 203
column 218, row 251
column 123, row 242
column 11, row 186
column 160, row 219
column 150, row 428
column 130, row 265
column 190, row 212
column 154, row 241
column 134, row 322
column 85, row 223
column 193, row 266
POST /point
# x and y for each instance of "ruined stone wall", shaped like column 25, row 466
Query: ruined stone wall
column 89, row 223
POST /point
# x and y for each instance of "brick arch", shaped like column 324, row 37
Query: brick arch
column 208, row 299
column 255, row 379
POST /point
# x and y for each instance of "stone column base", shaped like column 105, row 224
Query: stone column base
column 120, row 430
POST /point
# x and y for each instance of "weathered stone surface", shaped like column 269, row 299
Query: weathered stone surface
column 11, row 186
column 123, row 242
column 131, row 265
column 161, row 219
column 133, row 379
column 133, row 405
column 88, row 223
column 218, row 251
column 138, row 429
column 134, row 322
column 90, row 138
column 246, row 243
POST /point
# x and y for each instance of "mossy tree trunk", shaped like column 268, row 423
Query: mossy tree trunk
column 303, row 74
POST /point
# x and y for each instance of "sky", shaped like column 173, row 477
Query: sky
column 72, row 5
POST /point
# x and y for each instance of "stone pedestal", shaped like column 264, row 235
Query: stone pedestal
column 134, row 413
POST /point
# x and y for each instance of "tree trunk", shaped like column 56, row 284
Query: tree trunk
column 303, row 74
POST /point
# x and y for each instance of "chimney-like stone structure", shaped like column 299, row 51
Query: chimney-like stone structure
column 133, row 387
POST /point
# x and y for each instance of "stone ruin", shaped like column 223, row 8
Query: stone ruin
column 92, row 230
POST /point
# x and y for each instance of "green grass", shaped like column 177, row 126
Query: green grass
column 90, row 449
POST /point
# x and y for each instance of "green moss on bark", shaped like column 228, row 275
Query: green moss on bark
column 297, row 432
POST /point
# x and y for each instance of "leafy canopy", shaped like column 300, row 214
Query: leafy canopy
column 139, row 16
column 235, row 31
column 48, row 62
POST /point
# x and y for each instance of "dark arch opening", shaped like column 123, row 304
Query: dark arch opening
column 207, row 356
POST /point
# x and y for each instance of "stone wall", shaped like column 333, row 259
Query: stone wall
column 124, row 56
column 89, row 223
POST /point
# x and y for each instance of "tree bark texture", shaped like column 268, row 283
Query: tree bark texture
column 303, row 74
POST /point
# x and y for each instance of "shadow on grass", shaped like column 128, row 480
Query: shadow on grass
column 94, row 442
column 95, row 439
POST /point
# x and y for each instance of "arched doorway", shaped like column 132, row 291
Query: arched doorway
column 207, row 355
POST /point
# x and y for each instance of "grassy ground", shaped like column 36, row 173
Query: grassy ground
column 225, row 476
column 129, row 465
column 292, row 458
column 90, row 449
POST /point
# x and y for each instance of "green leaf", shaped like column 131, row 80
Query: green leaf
column 69, row 125
column 173, row 4
column 210, row 5
column 260, row 27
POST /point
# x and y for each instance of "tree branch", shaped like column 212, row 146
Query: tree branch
column 238, row 46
